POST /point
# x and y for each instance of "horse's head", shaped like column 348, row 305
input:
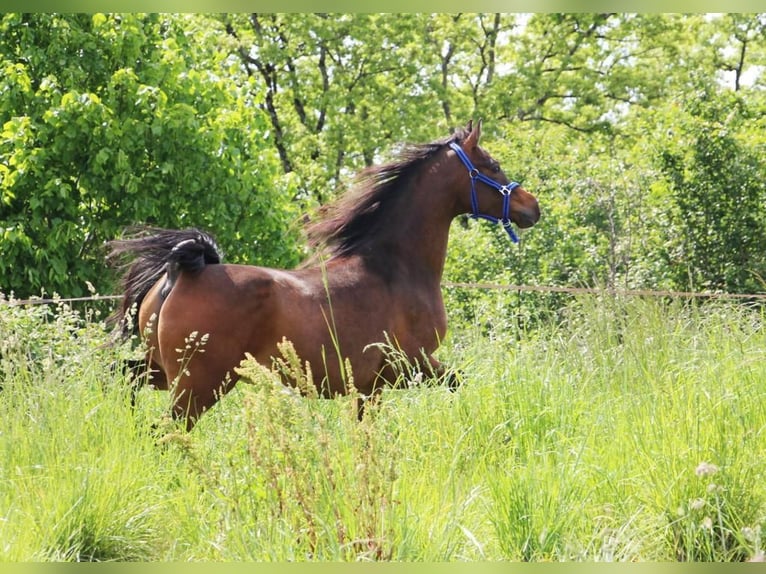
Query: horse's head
column 489, row 193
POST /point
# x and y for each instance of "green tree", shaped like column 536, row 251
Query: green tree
column 238, row 122
column 337, row 88
column 717, row 181
column 609, row 217
column 736, row 46
column 110, row 121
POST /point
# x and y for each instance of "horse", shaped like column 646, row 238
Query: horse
column 384, row 244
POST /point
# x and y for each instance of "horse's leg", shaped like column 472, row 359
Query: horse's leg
column 190, row 402
column 149, row 371
column 452, row 379
column 140, row 372
column 197, row 387
column 144, row 372
column 134, row 369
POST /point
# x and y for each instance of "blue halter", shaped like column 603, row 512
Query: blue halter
column 505, row 190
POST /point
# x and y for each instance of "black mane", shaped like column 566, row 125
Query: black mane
column 348, row 223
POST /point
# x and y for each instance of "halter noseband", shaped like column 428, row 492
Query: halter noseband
column 505, row 190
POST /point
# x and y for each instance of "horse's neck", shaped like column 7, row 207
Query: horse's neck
column 415, row 241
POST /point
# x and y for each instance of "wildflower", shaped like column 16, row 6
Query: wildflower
column 697, row 504
column 415, row 381
column 706, row 469
column 707, row 523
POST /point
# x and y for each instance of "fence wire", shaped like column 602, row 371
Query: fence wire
column 459, row 285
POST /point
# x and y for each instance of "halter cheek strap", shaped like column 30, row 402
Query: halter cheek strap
column 505, row 190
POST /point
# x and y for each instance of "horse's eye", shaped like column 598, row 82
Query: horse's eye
column 495, row 167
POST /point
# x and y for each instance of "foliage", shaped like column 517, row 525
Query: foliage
column 240, row 123
column 110, row 121
column 335, row 101
column 716, row 177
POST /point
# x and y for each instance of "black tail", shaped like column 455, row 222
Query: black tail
column 145, row 253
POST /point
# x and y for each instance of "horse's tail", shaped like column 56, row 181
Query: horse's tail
column 145, row 254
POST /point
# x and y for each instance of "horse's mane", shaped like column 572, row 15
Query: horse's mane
column 347, row 224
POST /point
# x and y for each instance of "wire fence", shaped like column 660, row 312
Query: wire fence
column 608, row 291
column 458, row 285
column 56, row 300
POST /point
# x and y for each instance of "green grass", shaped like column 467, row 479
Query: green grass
column 631, row 430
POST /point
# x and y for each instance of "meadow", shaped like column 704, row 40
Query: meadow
column 627, row 429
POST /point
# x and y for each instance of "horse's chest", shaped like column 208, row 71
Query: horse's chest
column 422, row 322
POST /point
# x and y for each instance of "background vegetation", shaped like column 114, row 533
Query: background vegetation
column 642, row 134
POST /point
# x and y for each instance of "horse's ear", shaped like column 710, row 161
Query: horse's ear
column 474, row 134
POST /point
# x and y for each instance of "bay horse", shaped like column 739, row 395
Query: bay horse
column 385, row 242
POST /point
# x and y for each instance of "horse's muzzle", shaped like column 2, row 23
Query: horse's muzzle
column 527, row 216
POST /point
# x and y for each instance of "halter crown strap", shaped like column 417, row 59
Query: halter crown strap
column 506, row 190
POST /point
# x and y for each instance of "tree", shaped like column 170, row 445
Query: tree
column 110, row 121
column 240, row 122
column 737, row 45
column 336, row 88
column 718, row 187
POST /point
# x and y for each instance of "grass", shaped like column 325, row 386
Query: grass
column 629, row 430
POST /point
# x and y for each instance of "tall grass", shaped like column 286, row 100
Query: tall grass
column 75, row 469
column 630, row 430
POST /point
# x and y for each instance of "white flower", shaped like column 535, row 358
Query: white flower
column 697, row 504
column 706, row 469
